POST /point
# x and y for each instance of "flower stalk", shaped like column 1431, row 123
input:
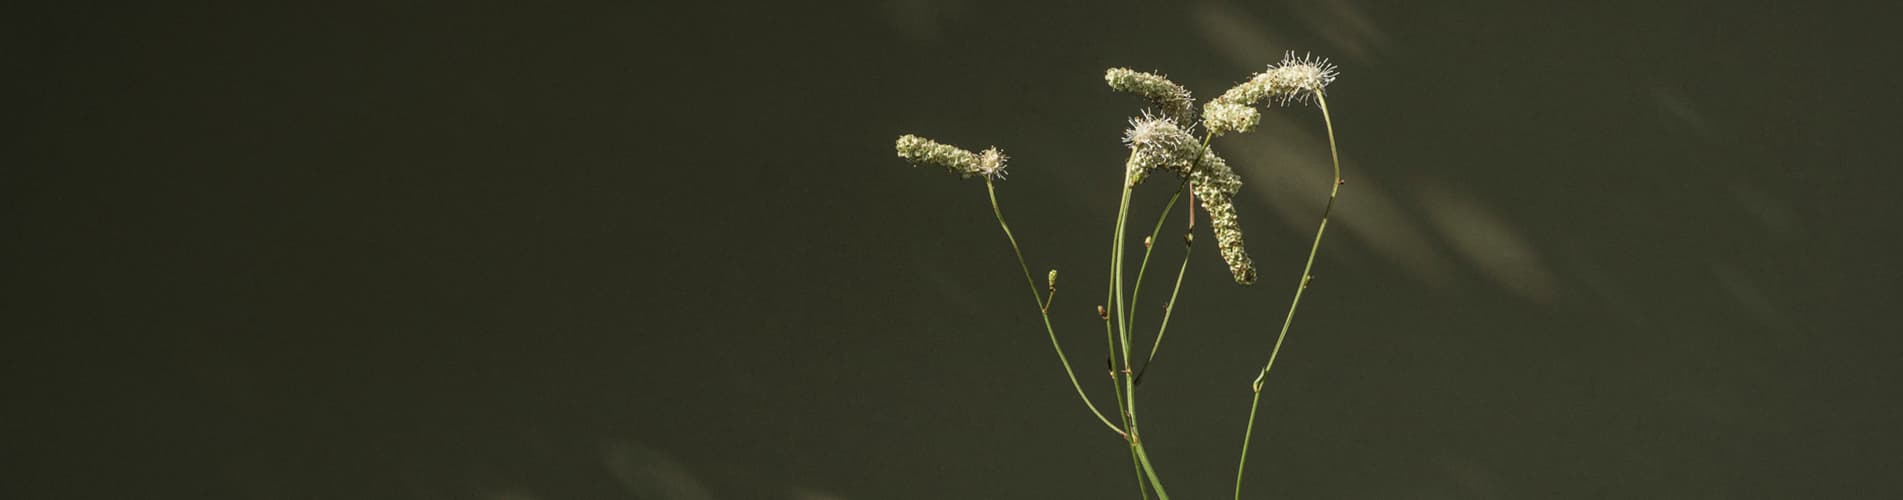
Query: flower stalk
column 1161, row 139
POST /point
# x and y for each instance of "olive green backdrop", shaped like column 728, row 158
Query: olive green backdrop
column 608, row 250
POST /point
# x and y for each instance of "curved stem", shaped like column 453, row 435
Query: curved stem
column 1044, row 309
column 1249, row 431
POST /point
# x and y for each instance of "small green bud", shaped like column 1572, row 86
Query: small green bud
column 1053, row 279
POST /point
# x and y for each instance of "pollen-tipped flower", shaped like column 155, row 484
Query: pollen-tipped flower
column 1294, row 79
column 1158, row 143
column 919, row 150
column 1169, row 98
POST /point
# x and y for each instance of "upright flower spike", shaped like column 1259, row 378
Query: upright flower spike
column 919, row 150
column 1169, row 98
column 1158, row 143
column 1294, row 79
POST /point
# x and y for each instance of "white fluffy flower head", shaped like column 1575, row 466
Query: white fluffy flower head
column 1157, row 142
column 1295, row 79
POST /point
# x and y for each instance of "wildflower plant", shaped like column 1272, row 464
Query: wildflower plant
column 1163, row 138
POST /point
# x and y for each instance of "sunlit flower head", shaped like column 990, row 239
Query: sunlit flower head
column 1295, row 79
column 1167, row 97
column 1158, row 143
column 921, row 151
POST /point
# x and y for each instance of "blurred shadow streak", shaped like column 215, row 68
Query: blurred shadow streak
column 1487, row 241
column 1777, row 216
column 807, row 494
column 1475, row 480
column 1345, row 25
column 1238, row 36
column 1293, row 181
column 1288, row 176
column 1677, row 113
column 1744, row 290
column 922, row 20
column 647, row 473
column 1350, row 32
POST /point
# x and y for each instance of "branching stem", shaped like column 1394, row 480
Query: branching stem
column 1043, row 308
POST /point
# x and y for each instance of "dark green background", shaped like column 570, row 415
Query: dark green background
column 1617, row 250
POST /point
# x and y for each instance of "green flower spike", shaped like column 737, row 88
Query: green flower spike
column 1169, row 98
column 919, row 150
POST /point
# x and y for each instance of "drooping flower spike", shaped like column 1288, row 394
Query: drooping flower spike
column 1159, row 143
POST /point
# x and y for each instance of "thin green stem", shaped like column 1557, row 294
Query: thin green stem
column 1044, row 309
column 1126, row 318
column 1143, row 266
column 1112, row 298
column 1116, row 260
column 1137, row 463
column 1148, row 469
column 1116, row 385
column 1168, row 309
column 1335, row 188
column 1180, row 269
column 1247, row 432
column 1129, row 379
